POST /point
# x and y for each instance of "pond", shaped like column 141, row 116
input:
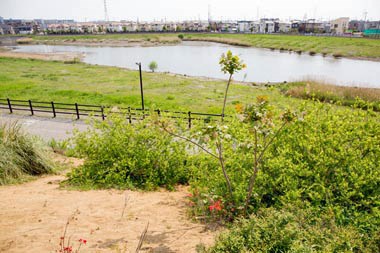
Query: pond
column 201, row 59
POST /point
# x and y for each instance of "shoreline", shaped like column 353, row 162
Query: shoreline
column 177, row 41
column 72, row 56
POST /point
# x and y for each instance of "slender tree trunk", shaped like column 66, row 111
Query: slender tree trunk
column 225, row 96
column 258, row 158
column 252, row 180
column 221, row 161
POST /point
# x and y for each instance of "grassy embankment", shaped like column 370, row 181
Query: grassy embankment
column 346, row 47
column 88, row 84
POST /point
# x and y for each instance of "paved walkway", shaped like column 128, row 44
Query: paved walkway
column 45, row 127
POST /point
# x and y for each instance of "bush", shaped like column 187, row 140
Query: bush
column 292, row 230
column 122, row 155
column 328, row 160
column 21, row 155
column 153, row 66
column 181, row 36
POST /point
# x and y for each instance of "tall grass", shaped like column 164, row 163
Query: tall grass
column 21, row 155
column 349, row 96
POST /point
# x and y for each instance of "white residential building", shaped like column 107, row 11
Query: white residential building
column 284, row 27
column 340, row 25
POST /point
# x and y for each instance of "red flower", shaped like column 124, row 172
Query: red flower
column 83, row 241
column 68, row 249
column 189, row 195
column 216, row 206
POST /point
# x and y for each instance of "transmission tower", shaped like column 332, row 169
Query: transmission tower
column 105, row 11
column 209, row 14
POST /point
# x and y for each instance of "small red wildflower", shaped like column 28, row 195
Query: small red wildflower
column 68, row 249
column 84, row 241
column 189, row 195
column 216, row 206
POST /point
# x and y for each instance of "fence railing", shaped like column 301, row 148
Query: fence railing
column 79, row 110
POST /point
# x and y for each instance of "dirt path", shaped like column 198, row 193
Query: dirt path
column 33, row 216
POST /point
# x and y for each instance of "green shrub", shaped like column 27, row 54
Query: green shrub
column 122, row 155
column 328, row 160
column 21, row 155
column 292, row 230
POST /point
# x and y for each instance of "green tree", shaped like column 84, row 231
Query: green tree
column 153, row 66
column 230, row 64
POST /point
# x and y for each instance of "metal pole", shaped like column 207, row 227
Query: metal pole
column 9, row 105
column 31, row 107
column 77, row 110
column 141, row 88
column 53, row 108
column 189, row 113
column 102, row 110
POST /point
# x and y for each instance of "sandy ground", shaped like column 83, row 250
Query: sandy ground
column 41, row 56
column 33, row 217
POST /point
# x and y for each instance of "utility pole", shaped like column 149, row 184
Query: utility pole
column 141, row 86
column 105, row 11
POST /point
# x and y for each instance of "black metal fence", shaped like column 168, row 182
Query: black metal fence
column 79, row 110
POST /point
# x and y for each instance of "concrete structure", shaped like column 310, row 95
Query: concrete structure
column 339, row 26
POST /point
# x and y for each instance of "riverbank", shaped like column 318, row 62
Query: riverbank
column 65, row 57
column 101, row 85
column 355, row 48
column 82, row 83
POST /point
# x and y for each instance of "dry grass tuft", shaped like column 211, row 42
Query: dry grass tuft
column 349, row 96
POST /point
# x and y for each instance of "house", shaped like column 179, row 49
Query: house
column 268, row 25
column 171, row 26
column 7, row 29
column 131, row 26
column 284, row 27
column 340, row 25
column 356, row 25
column 158, row 26
column 244, row 26
column 144, row 27
column 229, row 26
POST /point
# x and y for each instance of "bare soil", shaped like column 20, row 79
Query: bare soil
column 33, row 217
column 40, row 56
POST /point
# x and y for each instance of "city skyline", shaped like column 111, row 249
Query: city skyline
column 87, row 10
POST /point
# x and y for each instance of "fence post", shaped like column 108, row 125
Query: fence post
column 77, row 110
column 129, row 115
column 9, row 105
column 31, row 107
column 53, row 108
column 189, row 113
column 102, row 109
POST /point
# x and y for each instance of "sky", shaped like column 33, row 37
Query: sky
column 177, row 10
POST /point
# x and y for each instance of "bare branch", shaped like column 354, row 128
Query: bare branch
column 191, row 141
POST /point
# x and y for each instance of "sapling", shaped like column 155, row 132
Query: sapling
column 230, row 64
column 260, row 123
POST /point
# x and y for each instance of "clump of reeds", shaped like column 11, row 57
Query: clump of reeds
column 21, row 155
column 349, row 96
column 232, row 42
